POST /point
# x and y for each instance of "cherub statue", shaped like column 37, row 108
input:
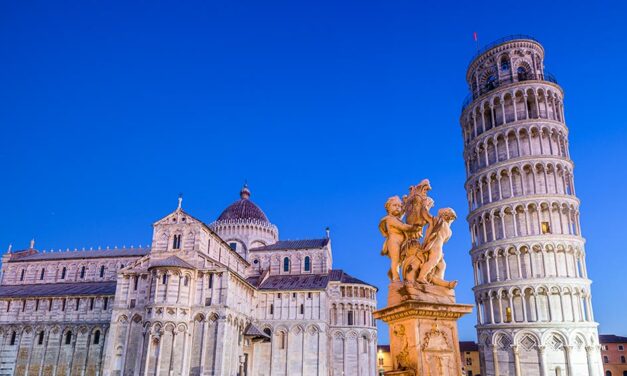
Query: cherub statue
column 437, row 234
column 413, row 252
column 416, row 206
column 395, row 232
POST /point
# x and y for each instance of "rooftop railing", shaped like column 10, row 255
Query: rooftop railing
column 548, row 77
column 501, row 41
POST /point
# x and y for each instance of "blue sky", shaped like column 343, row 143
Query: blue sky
column 109, row 109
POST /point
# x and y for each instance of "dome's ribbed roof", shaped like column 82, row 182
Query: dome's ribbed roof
column 243, row 209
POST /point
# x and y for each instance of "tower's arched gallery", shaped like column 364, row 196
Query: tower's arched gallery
column 531, row 287
column 228, row 298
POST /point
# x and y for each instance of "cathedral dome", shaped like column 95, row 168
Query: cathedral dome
column 243, row 209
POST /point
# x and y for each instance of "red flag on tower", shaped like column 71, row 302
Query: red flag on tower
column 474, row 36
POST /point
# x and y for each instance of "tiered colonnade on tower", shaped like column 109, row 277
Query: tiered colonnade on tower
column 531, row 286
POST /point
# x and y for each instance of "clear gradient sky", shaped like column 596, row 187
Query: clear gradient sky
column 109, row 109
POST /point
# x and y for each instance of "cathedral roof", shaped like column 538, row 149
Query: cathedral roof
column 58, row 289
column 172, row 261
column 243, row 209
column 253, row 331
column 294, row 244
column 339, row 275
column 66, row 255
column 304, row 281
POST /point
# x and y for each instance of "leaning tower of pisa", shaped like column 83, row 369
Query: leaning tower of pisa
column 531, row 287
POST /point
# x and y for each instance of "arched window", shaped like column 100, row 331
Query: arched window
column 233, row 246
column 364, row 340
column 286, row 264
column 622, row 358
column 282, row 340
column 40, row 341
column 350, row 318
column 504, row 63
column 606, row 360
column 13, row 338
column 176, row 242
column 522, row 74
column 135, row 282
column 68, row 337
column 608, row 373
column 102, row 270
column 63, row 271
column 491, row 83
column 42, row 274
column 307, row 264
column 82, row 272
column 268, row 332
column 164, row 279
column 302, row 311
column 22, row 274
column 96, row 337
column 186, row 281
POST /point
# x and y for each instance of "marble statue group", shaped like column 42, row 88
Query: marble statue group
column 415, row 239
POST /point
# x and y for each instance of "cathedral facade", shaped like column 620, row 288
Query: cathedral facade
column 228, row 298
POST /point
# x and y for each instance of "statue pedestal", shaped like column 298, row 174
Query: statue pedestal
column 423, row 333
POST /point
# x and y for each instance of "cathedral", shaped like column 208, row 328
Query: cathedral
column 227, row 298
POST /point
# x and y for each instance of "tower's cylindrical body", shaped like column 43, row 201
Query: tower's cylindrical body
column 531, row 287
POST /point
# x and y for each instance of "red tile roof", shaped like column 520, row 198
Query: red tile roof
column 293, row 244
column 58, row 289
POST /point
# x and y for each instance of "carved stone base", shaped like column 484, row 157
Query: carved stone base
column 423, row 337
column 400, row 291
column 400, row 373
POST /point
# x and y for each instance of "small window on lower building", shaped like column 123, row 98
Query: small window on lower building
column 97, row 337
column 622, row 358
column 621, row 348
column 207, row 302
column 68, row 338
column 133, row 302
column 282, row 340
column 302, row 311
column 272, row 309
column 606, row 359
